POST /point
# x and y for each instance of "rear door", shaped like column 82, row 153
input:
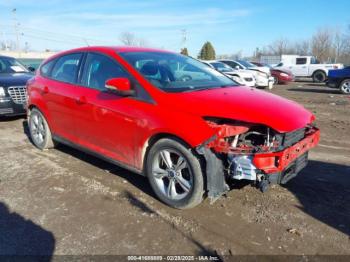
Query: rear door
column 300, row 68
column 60, row 94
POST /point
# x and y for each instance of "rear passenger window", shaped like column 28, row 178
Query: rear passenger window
column 46, row 68
column 66, row 68
column 301, row 61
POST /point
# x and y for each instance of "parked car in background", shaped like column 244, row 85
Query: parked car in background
column 191, row 138
column 306, row 66
column 279, row 76
column 340, row 78
column 262, row 75
column 243, row 77
column 32, row 63
column 13, row 79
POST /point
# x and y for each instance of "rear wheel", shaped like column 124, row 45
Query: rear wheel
column 319, row 77
column 345, row 86
column 39, row 130
column 175, row 174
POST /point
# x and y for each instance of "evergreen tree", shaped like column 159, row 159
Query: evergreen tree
column 184, row 51
column 207, row 52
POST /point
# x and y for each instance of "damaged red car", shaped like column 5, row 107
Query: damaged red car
column 189, row 129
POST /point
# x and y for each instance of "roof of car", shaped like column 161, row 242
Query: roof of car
column 119, row 49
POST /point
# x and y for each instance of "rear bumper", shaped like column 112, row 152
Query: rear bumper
column 279, row 163
column 9, row 108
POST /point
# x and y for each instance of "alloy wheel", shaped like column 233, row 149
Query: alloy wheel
column 345, row 87
column 37, row 128
column 172, row 174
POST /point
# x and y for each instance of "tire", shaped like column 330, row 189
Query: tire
column 275, row 80
column 175, row 174
column 319, row 77
column 40, row 132
column 344, row 86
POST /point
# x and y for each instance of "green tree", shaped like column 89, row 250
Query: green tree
column 207, row 52
column 184, row 51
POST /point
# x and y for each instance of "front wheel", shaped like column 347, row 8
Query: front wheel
column 345, row 86
column 175, row 174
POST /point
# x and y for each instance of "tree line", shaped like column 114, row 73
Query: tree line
column 326, row 44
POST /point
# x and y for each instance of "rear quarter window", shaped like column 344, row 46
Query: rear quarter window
column 66, row 68
column 45, row 69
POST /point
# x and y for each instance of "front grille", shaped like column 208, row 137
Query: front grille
column 248, row 79
column 293, row 137
column 18, row 94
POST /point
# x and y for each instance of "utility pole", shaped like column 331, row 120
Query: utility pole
column 184, row 38
column 15, row 23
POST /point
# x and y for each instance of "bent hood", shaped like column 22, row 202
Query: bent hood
column 244, row 104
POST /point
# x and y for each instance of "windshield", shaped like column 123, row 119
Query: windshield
column 11, row 65
column 221, row 67
column 246, row 64
column 176, row 73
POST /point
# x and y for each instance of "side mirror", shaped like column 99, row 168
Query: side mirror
column 237, row 67
column 120, row 86
column 31, row 69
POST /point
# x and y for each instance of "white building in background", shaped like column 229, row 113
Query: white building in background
column 27, row 55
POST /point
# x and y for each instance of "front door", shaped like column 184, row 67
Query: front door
column 106, row 122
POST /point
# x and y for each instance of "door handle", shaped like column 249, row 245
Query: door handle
column 45, row 90
column 81, row 100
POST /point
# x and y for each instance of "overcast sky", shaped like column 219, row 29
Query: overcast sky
column 231, row 25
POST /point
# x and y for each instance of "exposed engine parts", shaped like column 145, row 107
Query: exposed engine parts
column 258, row 153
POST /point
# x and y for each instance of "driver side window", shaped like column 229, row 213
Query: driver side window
column 98, row 69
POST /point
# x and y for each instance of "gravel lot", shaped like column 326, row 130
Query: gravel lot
column 63, row 201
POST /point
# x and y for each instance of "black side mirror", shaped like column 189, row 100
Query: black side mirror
column 31, row 69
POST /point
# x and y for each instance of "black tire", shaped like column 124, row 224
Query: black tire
column 194, row 195
column 344, row 87
column 319, row 76
column 45, row 133
column 275, row 80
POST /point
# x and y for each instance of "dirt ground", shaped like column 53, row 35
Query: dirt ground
column 63, row 201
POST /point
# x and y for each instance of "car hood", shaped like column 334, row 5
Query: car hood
column 244, row 104
column 241, row 73
column 15, row 79
column 263, row 69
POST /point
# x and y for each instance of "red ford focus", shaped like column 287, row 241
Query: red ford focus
column 191, row 130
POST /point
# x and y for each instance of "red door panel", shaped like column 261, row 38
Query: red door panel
column 105, row 124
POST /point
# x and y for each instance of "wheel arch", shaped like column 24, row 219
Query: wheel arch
column 152, row 140
column 319, row 70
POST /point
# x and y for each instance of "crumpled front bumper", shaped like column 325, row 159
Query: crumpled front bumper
column 278, row 166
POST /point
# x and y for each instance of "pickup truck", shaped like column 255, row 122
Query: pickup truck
column 306, row 66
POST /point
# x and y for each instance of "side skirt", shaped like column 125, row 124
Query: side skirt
column 95, row 154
